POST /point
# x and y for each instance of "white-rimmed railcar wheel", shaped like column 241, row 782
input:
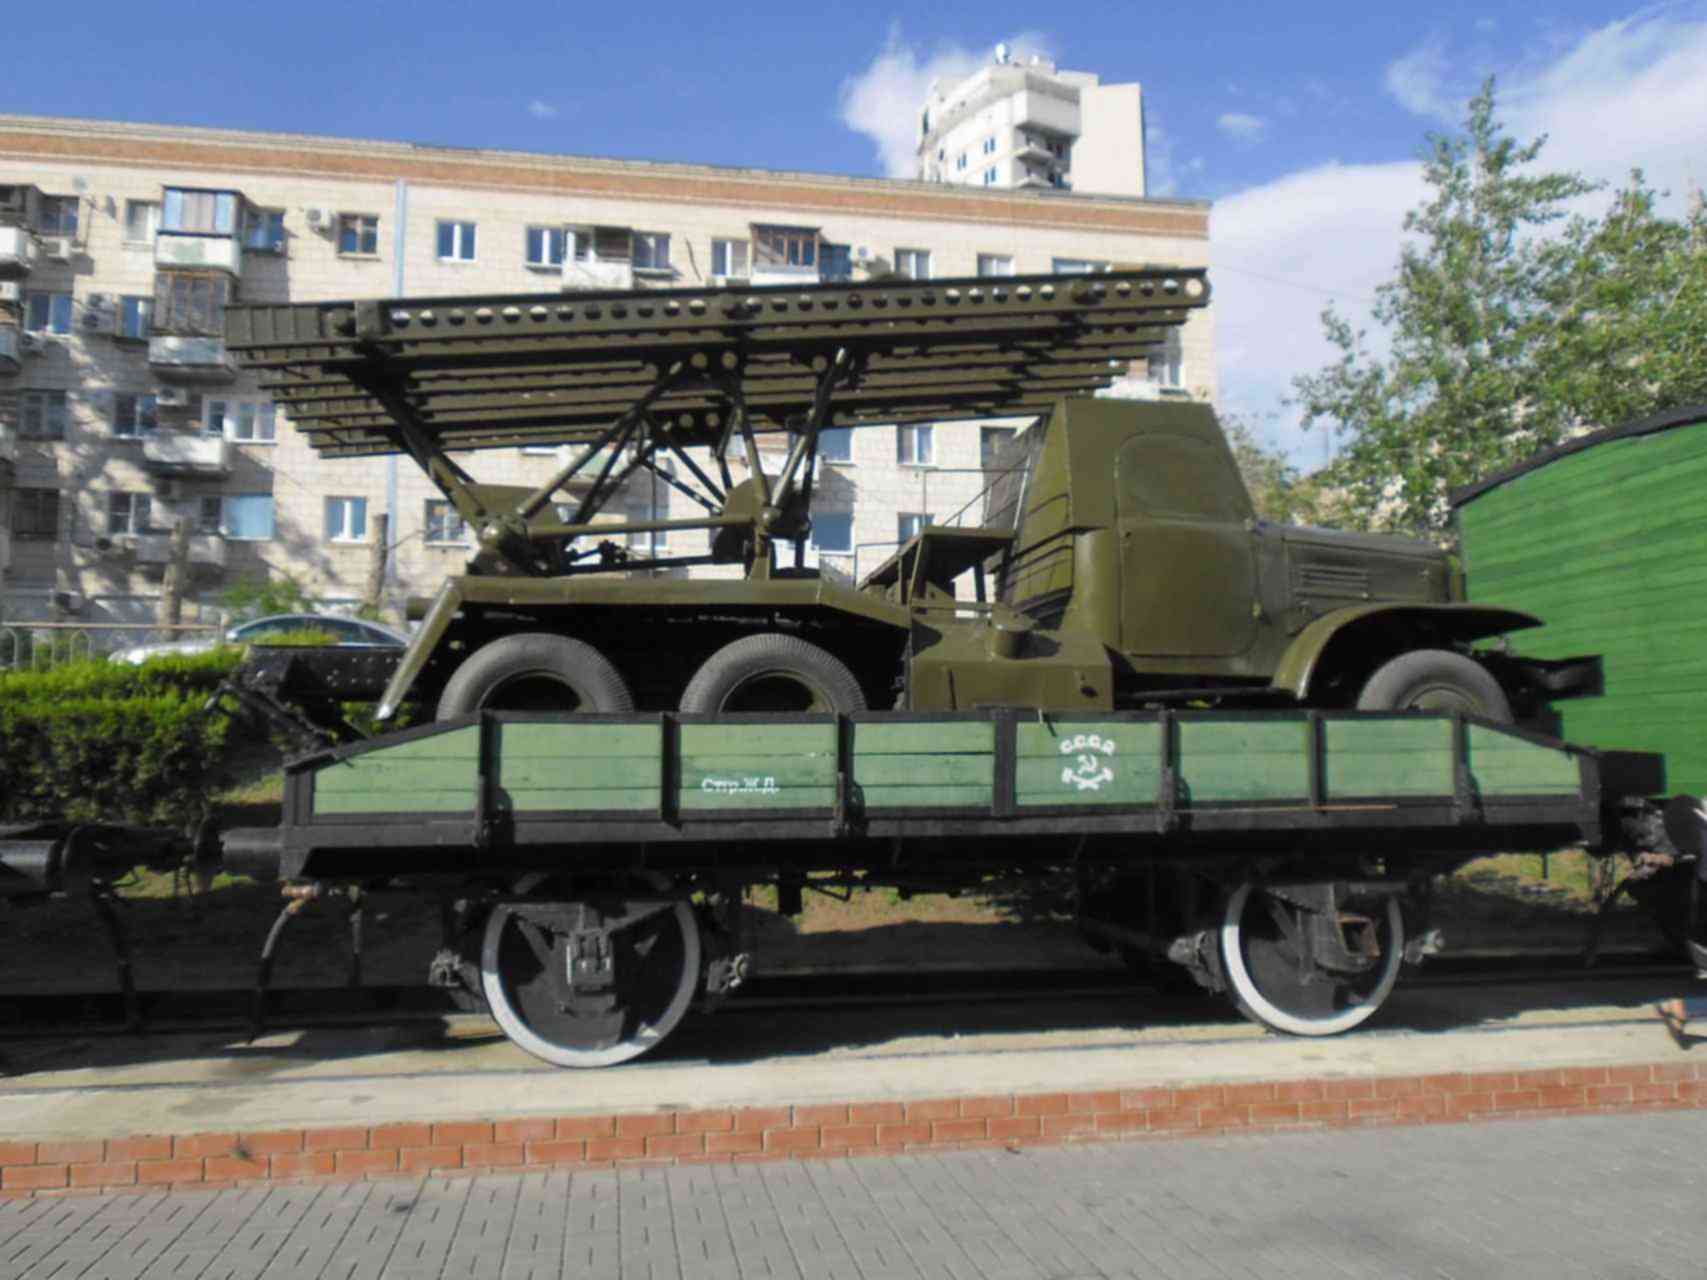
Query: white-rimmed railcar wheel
column 1263, row 959
column 568, row 991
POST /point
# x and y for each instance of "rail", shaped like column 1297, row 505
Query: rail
column 36, row 646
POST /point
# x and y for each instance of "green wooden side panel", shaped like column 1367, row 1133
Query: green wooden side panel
column 925, row 765
column 1501, row 765
column 1082, row 764
column 435, row 774
column 1609, row 546
column 758, row 766
column 584, row 767
column 1386, row 758
column 1244, row 760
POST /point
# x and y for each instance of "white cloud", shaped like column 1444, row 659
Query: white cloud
column 1160, row 178
column 1418, row 82
column 883, row 101
column 542, row 110
column 1241, row 126
column 1629, row 93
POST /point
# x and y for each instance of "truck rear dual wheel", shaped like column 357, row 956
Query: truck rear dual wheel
column 1435, row 680
column 773, row 672
column 535, row 671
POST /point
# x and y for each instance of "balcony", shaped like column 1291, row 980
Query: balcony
column 179, row 453
column 207, row 550
column 174, row 250
column 595, row 273
column 11, row 352
column 783, row 273
column 187, row 359
column 18, row 252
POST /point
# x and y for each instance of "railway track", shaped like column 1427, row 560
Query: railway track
column 48, row 1015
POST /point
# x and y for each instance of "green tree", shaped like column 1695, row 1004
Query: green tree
column 256, row 596
column 1277, row 491
column 1468, row 317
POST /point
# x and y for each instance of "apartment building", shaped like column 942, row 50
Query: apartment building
column 1034, row 125
column 121, row 413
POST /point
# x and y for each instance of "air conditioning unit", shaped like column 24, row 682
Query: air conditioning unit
column 172, row 398
column 169, row 490
column 69, row 601
column 319, row 218
column 58, row 248
column 11, row 291
column 97, row 315
column 30, row 344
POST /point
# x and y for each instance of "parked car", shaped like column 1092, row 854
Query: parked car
column 348, row 632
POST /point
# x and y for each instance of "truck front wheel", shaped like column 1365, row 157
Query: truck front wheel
column 535, row 671
column 1435, row 680
column 772, row 672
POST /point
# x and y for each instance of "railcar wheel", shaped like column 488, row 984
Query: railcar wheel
column 535, row 671
column 1263, row 959
column 577, row 996
column 773, row 672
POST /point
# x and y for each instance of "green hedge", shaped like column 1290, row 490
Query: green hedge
column 113, row 742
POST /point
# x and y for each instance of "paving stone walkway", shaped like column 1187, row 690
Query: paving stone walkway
column 1601, row 1197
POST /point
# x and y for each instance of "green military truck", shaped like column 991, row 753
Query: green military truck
column 1118, row 564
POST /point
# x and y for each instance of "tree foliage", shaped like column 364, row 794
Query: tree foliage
column 259, row 595
column 1510, row 326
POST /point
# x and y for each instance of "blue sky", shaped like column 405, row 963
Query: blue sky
column 1303, row 130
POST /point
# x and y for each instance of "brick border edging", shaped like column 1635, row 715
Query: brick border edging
column 730, row 1134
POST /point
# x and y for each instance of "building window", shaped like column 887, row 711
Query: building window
column 41, row 415
column 1163, row 367
column 908, row 524
column 995, row 264
column 990, row 146
column 456, row 242
column 832, row 531
column 358, row 235
column 209, row 509
column 128, row 513
column 134, row 317
column 915, row 264
column 960, row 161
column 59, row 215
column 1077, row 266
column 208, row 213
column 990, row 177
column 141, row 220
column 443, row 524
column 545, row 246
column 47, row 312
column 836, row 444
column 263, row 231
column 651, row 251
column 729, row 258
column 247, row 517
column 913, row 446
column 134, row 414
column 785, row 246
column 245, row 421
column 35, row 513
column 992, row 447
column 190, row 303
column 346, row 519
column 835, row 262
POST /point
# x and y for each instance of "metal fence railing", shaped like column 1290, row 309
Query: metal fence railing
column 35, row 646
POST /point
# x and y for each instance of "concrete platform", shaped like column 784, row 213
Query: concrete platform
column 188, row 1110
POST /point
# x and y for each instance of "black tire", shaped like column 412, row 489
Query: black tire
column 1435, row 680
column 535, row 671
column 772, row 672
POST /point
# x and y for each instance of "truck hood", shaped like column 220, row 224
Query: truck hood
column 1306, row 537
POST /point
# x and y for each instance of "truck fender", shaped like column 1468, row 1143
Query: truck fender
column 422, row 645
column 1433, row 623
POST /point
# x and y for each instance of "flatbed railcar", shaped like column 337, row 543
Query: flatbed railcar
column 592, row 867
